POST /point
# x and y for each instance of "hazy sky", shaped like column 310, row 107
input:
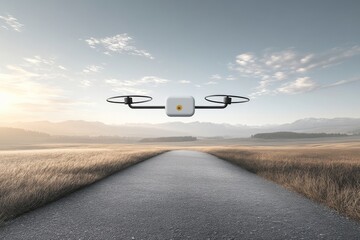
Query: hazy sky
column 60, row 60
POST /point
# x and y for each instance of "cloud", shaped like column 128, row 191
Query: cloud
column 131, row 90
column 230, row 78
column 62, row 67
column 137, row 82
column 279, row 76
column 211, row 83
column 10, row 22
column 184, row 81
column 44, row 69
column 300, row 85
column 36, row 85
column 152, row 79
column 48, row 70
column 37, row 60
column 85, row 83
column 276, row 71
column 215, row 77
column 342, row 82
column 92, row 69
column 305, row 84
column 135, row 86
column 22, row 82
column 120, row 43
column 25, row 89
column 18, row 73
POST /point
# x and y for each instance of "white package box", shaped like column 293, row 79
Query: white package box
column 180, row 106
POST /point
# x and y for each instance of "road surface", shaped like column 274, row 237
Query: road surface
column 182, row 195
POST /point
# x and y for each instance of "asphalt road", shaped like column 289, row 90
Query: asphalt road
column 182, row 195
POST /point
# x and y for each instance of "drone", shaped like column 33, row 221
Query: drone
column 179, row 106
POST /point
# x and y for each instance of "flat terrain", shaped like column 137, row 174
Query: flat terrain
column 179, row 195
column 326, row 173
column 32, row 178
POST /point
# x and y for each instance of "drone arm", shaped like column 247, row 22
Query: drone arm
column 145, row 107
column 163, row 107
column 212, row 107
column 227, row 101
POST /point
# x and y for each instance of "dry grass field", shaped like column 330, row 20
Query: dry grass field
column 31, row 178
column 328, row 174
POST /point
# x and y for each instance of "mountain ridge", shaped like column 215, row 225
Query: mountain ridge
column 199, row 129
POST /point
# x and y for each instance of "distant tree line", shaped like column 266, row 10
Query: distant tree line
column 169, row 139
column 14, row 135
column 295, row 135
column 21, row 136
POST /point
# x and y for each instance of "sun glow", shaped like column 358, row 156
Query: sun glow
column 6, row 101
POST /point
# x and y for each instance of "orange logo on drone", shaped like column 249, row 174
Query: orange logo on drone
column 179, row 107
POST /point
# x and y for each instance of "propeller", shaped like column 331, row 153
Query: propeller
column 130, row 101
column 227, row 99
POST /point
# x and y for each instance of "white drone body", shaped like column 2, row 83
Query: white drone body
column 181, row 106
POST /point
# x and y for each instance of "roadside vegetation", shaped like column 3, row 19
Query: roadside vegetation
column 32, row 178
column 29, row 178
column 329, row 175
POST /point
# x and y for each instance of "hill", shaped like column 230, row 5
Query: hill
column 295, row 135
column 198, row 129
column 19, row 136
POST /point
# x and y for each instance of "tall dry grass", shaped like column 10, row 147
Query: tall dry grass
column 329, row 175
column 29, row 179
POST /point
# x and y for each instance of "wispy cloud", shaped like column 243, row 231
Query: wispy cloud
column 303, row 84
column 11, row 23
column 17, row 72
column 37, row 60
column 138, row 86
column 26, row 90
column 120, row 43
column 131, row 90
column 306, row 84
column 37, row 84
column 184, row 81
column 93, row 69
column 230, row 78
column 276, row 71
column 342, row 82
column 47, row 69
column 152, row 79
column 85, row 83
column 62, row 67
column 216, row 77
column 211, row 83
